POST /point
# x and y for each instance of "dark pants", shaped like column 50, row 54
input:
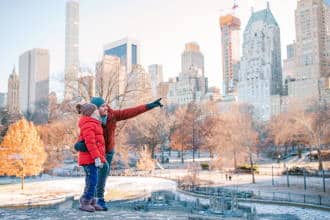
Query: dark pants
column 103, row 175
column 90, row 181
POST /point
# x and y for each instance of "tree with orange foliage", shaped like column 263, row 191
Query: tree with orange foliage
column 21, row 151
column 179, row 137
column 58, row 137
column 248, row 136
column 309, row 126
column 237, row 136
column 145, row 161
column 210, row 124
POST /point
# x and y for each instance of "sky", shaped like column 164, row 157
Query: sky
column 162, row 27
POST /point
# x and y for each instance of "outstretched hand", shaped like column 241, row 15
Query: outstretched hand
column 155, row 104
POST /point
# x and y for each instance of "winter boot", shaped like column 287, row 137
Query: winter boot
column 96, row 205
column 102, row 203
column 85, row 205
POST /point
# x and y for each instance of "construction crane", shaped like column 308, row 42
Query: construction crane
column 230, row 10
column 235, row 5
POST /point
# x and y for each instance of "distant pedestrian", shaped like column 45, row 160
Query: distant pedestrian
column 229, row 177
column 226, row 176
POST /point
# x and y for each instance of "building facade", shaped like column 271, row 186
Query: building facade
column 260, row 75
column 190, row 85
column 34, row 84
column 13, row 93
column 308, row 59
column 110, row 79
column 230, row 44
column 71, row 49
column 3, row 97
column 127, row 50
column 138, row 87
column 156, row 77
column 192, row 58
column 86, row 86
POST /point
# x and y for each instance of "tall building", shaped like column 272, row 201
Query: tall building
column 312, row 36
column 308, row 58
column 230, row 44
column 156, row 77
column 110, row 78
column 127, row 50
column 13, row 93
column 260, row 75
column 34, row 84
column 190, row 85
column 192, row 58
column 71, row 49
column 2, row 99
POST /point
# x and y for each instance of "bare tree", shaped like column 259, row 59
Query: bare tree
column 150, row 130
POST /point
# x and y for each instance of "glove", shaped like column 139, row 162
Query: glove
column 98, row 162
column 154, row 104
column 80, row 146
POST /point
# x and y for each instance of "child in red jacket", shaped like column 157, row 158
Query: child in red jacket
column 91, row 132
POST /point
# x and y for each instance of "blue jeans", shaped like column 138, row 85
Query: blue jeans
column 103, row 174
column 90, row 181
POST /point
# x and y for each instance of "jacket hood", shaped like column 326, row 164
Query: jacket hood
column 86, row 119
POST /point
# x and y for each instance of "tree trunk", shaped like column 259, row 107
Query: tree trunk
column 319, row 157
column 163, row 155
column 22, row 182
column 193, row 154
column 235, row 160
column 252, row 169
column 152, row 152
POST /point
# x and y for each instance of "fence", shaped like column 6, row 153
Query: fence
column 261, row 195
column 293, row 197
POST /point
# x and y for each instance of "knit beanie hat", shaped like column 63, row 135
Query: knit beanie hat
column 98, row 101
column 87, row 109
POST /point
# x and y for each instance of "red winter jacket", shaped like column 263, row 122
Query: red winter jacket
column 118, row 115
column 91, row 131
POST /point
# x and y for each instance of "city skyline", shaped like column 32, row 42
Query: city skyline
column 161, row 38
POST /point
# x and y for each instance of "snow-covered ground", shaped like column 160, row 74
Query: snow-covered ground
column 51, row 190
column 121, row 188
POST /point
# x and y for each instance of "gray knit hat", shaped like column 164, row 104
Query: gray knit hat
column 87, row 109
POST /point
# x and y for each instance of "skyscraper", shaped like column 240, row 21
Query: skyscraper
column 308, row 58
column 192, row 59
column 156, row 77
column 260, row 75
column 230, row 44
column 191, row 85
column 34, row 84
column 127, row 50
column 71, row 49
column 312, row 32
column 13, row 93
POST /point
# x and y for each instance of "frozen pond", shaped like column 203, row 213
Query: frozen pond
column 164, row 209
column 266, row 211
column 171, row 205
